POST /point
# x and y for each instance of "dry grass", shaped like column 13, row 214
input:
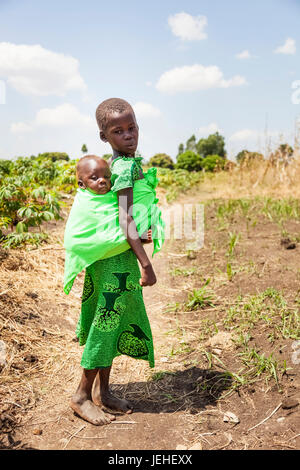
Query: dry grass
column 276, row 177
column 36, row 328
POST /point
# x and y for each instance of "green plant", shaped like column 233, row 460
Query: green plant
column 213, row 163
column 84, row 149
column 162, row 160
column 161, row 374
column 189, row 161
column 200, row 298
column 214, row 144
column 233, row 240
column 182, row 272
column 230, row 271
column 21, row 207
column 14, row 240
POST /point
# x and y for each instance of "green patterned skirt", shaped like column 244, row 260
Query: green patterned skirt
column 113, row 319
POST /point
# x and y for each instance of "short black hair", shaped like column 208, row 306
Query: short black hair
column 82, row 160
column 107, row 107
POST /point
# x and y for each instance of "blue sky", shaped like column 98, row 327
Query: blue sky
column 187, row 67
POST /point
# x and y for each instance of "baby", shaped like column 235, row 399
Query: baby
column 93, row 174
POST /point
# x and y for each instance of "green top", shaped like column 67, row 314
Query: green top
column 124, row 171
column 93, row 232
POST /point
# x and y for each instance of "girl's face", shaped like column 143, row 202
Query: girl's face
column 122, row 132
column 95, row 175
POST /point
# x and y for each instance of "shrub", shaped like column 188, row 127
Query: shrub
column 5, row 167
column 249, row 157
column 162, row 160
column 190, row 161
column 213, row 163
column 54, row 156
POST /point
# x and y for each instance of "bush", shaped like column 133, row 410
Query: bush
column 54, row 156
column 249, row 157
column 162, row 160
column 5, row 167
column 213, row 163
column 190, row 161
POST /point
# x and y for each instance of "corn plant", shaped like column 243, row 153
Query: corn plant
column 200, row 298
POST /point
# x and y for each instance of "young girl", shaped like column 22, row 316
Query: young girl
column 113, row 318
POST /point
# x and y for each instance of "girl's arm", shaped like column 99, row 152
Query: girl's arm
column 127, row 223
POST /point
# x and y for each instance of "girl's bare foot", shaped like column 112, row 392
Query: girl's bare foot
column 102, row 396
column 86, row 409
column 113, row 403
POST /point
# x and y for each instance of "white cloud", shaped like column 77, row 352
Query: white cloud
column 65, row 115
column 289, row 47
column 210, row 129
column 252, row 134
column 37, row 71
column 20, row 128
column 195, row 77
column 142, row 110
column 243, row 55
column 244, row 134
column 188, row 27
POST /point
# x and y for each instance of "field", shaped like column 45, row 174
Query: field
column 225, row 322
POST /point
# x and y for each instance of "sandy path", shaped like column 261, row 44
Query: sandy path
column 52, row 423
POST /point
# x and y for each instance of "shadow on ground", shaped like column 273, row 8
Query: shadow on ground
column 192, row 389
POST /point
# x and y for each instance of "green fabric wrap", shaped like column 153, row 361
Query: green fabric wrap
column 93, row 232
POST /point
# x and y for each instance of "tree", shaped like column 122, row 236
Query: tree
column 84, row 149
column 213, row 145
column 190, row 161
column 191, row 144
column 283, row 154
column 180, row 149
column 162, row 160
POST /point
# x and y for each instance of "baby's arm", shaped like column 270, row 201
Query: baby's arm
column 127, row 223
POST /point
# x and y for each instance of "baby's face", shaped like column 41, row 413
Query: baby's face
column 95, row 175
column 122, row 132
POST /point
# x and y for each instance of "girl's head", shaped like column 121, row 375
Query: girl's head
column 118, row 126
column 93, row 173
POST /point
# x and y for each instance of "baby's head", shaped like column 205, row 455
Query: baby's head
column 93, row 173
column 118, row 126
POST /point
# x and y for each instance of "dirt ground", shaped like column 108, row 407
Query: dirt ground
column 201, row 373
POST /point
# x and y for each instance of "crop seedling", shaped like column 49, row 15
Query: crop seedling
column 233, row 240
column 201, row 298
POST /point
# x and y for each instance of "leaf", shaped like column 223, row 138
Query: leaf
column 21, row 227
column 47, row 215
column 28, row 212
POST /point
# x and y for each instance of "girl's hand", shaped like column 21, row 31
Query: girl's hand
column 149, row 237
column 148, row 276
